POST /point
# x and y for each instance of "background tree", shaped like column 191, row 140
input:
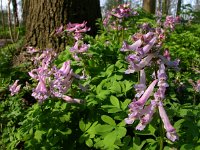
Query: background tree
column 149, row 6
column 178, row 10
column 43, row 17
column 165, row 6
column 2, row 16
column 112, row 3
column 15, row 12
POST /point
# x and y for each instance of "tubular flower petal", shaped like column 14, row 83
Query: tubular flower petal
column 140, row 88
column 147, row 93
column 40, row 92
column 171, row 64
column 137, row 67
column 147, row 115
column 171, row 131
column 151, row 43
column 136, row 107
column 71, row 100
column 133, row 47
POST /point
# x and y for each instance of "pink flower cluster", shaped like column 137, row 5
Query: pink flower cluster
column 77, row 29
column 171, row 21
column 51, row 81
column 145, row 52
column 115, row 16
column 14, row 89
column 196, row 86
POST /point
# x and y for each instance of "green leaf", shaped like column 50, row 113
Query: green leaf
column 108, row 120
column 114, row 110
column 137, row 143
column 109, row 70
column 119, row 64
column 65, row 118
column 125, row 104
column 103, row 94
column 103, row 128
column 114, row 101
column 38, row 135
column 121, row 132
column 128, row 86
column 115, row 87
column 110, row 139
column 89, row 142
column 82, row 125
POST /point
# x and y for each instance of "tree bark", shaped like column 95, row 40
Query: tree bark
column 15, row 12
column 2, row 16
column 166, row 4
column 178, row 10
column 149, row 6
column 44, row 16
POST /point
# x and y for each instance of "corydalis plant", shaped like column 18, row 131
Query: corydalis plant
column 114, row 18
column 146, row 52
column 76, row 31
column 14, row 89
column 52, row 81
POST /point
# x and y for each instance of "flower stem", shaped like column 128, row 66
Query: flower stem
column 161, row 136
column 194, row 101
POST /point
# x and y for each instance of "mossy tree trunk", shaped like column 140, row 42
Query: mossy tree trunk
column 149, row 6
column 44, row 16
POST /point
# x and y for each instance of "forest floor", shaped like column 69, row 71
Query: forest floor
column 3, row 42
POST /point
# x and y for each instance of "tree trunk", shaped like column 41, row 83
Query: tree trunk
column 44, row 16
column 166, row 4
column 15, row 12
column 178, row 10
column 160, row 6
column 2, row 17
column 149, row 6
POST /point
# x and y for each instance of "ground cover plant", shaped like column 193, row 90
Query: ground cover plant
column 134, row 86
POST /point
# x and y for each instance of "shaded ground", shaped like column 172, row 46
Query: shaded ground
column 3, row 42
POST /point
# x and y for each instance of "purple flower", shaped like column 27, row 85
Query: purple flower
column 40, row 92
column 136, row 107
column 171, row 64
column 198, row 86
column 31, row 50
column 133, row 47
column 14, row 89
column 146, row 94
column 171, row 131
column 62, row 80
column 79, row 47
column 133, row 67
column 147, row 115
column 123, row 11
column 133, row 58
column 140, row 88
column 71, row 100
column 162, row 76
column 171, row 21
column 77, row 27
column 59, row 30
column 167, row 54
column 148, row 47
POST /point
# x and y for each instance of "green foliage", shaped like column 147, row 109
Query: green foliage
column 99, row 123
